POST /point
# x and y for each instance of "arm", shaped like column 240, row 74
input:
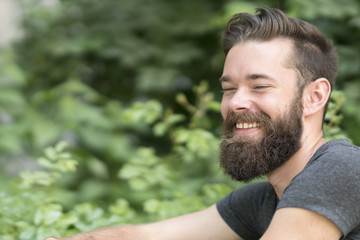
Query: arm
column 126, row 232
column 203, row 225
column 300, row 224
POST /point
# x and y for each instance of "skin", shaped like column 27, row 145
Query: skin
column 203, row 225
column 256, row 77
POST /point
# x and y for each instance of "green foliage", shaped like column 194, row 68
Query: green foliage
column 122, row 83
column 28, row 212
column 333, row 117
column 156, row 186
column 56, row 161
column 351, row 123
column 145, row 171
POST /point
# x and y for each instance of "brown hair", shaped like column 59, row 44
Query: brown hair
column 314, row 56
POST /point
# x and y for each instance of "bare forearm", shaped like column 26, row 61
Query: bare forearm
column 206, row 224
column 127, row 232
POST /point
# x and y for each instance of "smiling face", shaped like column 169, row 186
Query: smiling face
column 257, row 77
column 261, row 107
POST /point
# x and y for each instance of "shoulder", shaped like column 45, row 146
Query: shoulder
column 339, row 149
column 336, row 157
column 329, row 185
column 333, row 167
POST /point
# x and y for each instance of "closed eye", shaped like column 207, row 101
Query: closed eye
column 228, row 90
column 261, row 87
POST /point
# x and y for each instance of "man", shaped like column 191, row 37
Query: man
column 277, row 79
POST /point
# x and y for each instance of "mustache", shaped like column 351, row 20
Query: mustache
column 232, row 118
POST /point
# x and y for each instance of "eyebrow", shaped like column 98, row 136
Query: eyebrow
column 248, row 77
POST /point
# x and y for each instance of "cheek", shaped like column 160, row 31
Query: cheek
column 272, row 103
column 224, row 108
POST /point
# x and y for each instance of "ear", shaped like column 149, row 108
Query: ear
column 316, row 94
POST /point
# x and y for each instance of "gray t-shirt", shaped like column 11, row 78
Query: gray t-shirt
column 328, row 185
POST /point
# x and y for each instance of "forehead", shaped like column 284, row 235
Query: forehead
column 270, row 58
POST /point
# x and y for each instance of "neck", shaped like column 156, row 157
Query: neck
column 282, row 176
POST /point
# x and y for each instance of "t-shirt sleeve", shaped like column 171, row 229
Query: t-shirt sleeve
column 329, row 186
column 248, row 210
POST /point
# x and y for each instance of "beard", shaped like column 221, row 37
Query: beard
column 247, row 157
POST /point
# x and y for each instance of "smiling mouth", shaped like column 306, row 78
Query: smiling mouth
column 247, row 125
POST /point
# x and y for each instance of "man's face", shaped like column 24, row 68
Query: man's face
column 261, row 107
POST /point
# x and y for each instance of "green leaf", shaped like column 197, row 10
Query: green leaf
column 48, row 215
column 143, row 113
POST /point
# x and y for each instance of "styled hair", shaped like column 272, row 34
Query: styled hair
column 313, row 55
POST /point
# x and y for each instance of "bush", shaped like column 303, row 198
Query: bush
column 185, row 178
column 152, row 186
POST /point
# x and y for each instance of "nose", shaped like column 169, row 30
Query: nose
column 240, row 101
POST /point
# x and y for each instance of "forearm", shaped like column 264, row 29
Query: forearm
column 203, row 225
column 126, row 232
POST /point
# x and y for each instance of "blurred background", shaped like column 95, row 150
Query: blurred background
column 132, row 87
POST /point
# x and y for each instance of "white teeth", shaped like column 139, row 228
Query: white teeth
column 247, row 125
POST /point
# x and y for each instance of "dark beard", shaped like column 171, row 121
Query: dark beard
column 245, row 158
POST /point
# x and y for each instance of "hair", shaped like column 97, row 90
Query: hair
column 313, row 55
